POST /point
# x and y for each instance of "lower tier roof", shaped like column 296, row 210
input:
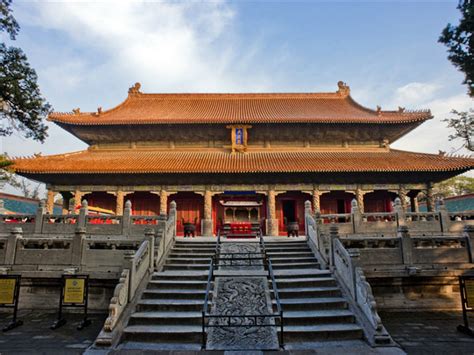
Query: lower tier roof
column 134, row 161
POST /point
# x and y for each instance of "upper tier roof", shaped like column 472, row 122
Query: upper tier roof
column 335, row 107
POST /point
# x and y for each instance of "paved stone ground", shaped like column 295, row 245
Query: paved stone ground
column 35, row 337
column 428, row 332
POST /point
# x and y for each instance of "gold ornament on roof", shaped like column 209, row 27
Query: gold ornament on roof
column 343, row 88
column 99, row 110
column 401, row 109
column 76, row 111
column 135, row 89
column 379, row 110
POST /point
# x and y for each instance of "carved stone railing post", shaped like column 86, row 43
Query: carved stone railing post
column 333, row 235
column 129, row 264
column 39, row 217
column 77, row 243
column 468, row 232
column 172, row 215
column 407, row 245
column 443, row 215
column 15, row 234
column 308, row 216
column 126, row 218
column 400, row 212
column 83, row 212
column 356, row 216
column 150, row 236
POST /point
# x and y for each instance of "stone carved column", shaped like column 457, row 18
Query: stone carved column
column 163, row 202
column 272, row 222
column 316, row 201
column 50, row 202
column 360, row 199
column 77, row 198
column 402, row 194
column 430, row 202
column 207, row 221
column 414, row 203
column 119, row 202
column 66, row 197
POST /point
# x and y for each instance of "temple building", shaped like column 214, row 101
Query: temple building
column 241, row 157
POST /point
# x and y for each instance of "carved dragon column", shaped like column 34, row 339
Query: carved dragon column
column 430, row 203
column 66, row 197
column 77, row 198
column 272, row 222
column 50, row 201
column 360, row 199
column 402, row 193
column 163, row 202
column 207, row 221
column 119, row 202
column 316, row 200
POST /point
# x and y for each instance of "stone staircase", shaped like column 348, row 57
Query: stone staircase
column 313, row 305
column 168, row 315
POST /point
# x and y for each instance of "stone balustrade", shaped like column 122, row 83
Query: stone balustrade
column 49, row 224
column 387, row 223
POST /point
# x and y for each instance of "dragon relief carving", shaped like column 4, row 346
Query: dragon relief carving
column 241, row 296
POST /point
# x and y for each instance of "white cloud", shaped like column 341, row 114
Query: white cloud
column 415, row 93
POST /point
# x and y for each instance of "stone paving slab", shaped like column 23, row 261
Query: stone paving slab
column 428, row 332
column 35, row 337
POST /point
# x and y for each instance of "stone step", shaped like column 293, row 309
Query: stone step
column 318, row 317
column 166, row 318
column 282, row 254
column 203, row 256
column 185, row 266
column 288, row 274
column 193, row 251
column 308, row 292
column 188, row 260
column 294, row 333
column 159, row 348
column 296, row 265
column 145, row 305
column 306, row 304
column 179, row 284
column 174, row 294
column 306, row 282
column 289, row 248
column 180, row 275
column 195, row 246
column 280, row 260
column 166, row 333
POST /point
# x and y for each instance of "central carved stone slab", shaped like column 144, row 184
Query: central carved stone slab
column 241, row 295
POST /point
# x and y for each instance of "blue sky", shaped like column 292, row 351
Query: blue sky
column 87, row 54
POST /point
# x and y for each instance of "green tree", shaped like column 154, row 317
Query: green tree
column 463, row 126
column 458, row 185
column 22, row 107
column 460, row 42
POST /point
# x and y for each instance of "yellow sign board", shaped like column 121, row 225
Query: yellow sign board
column 74, row 290
column 469, row 285
column 7, row 291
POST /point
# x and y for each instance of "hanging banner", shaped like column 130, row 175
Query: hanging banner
column 74, row 290
column 7, row 290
